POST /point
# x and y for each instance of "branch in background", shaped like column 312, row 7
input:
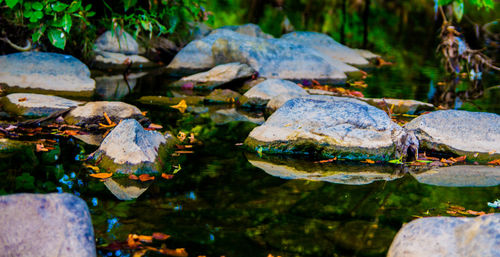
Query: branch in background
column 28, row 46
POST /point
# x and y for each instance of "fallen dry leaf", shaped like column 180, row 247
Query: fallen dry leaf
column 368, row 161
column 181, row 106
column 495, row 162
column 155, row 126
column 145, row 239
column 41, row 148
column 146, row 177
column 94, row 168
column 101, row 175
column 167, row 176
column 179, row 252
column 133, row 177
column 181, row 136
column 160, row 236
column 21, row 99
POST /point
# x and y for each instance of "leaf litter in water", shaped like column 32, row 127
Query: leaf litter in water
column 102, row 175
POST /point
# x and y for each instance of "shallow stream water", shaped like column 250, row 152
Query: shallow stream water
column 220, row 204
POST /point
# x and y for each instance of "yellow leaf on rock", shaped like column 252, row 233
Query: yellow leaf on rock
column 181, row 106
column 101, row 175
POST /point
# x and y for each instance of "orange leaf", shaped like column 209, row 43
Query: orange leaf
column 179, row 252
column 41, row 148
column 107, row 118
column 495, row 162
column 461, row 158
column 160, row 236
column 181, row 152
column 133, row 177
column 145, row 239
column 167, row 176
column 101, row 175
column 491, row 152
column 146, row 177
column 155, row 126
column 21, row 99
column 70, row 132
column 133, row 241
column 368, row 161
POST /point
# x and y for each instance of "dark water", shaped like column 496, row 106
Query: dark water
column 219, row 204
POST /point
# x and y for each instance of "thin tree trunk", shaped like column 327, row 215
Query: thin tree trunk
column 344, row 21
column 366, row 15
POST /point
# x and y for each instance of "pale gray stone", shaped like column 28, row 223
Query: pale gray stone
column 263, row 92
column 45, row 71
column 45, row 225
column 475, row 134
column 126, row 189
column 224, row 116
column 460, row 176
column 217, row 76
column 449, row 237
column 94, row 111
column 331, row 126
column 128, row 149
column 327, row 46
column 115, row 87
column 248, row 29
column 118, row 41
column 36, row 105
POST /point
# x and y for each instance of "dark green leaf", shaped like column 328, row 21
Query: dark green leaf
column 27, row 5
column 11, row 3
column 37, row 6
column 444, row 2
column 36, row 36
column 458, row 10
column 27, row 14
column 90, row 14
column 38, row 14
column 128, row 3
column 66, row 23
column 75, row 6
column 58, row 6
column 57, row 38
column 87, row 8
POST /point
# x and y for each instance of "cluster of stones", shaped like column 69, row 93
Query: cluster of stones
column 301, row 122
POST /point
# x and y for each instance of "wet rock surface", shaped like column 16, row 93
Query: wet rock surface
column 331, row 126
column 474, row 134
column 115, row 87
column 35, row 105
column 461, row 176
column 128, row 149
column 327, row 46
column 45, row 225
column 224, row 116
column 448, row 236
column 263, row 92
column 401, row 106
column 272, row 58
column 216, row 76
column 223, row 96
column 93, row 112
column 50, row 72
column 125, row 188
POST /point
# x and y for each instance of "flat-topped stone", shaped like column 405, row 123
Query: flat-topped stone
column 36, row 105
column 93, row 112
column 475, row 134
column 332, row 126
column 52, row 72
column 217, row 76
column 263, row 92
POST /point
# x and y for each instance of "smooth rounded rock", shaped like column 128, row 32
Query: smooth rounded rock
column 36, row 105
column 57, row 73
column 223, row 96
column 217, row 76
column 327, row 46
column 248, row 29
column 448, row 236
column 118, row 41
column 129, row 149
column 93, row 112
column 45, row 225
column 331, row 126
column 475, row 134
column 263, row 92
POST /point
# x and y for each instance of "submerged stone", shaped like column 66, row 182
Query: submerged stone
column 35, row 105
column 348, row 174
column 331, row 126
column 224, row 116
column 45, row 225
column 168, row 101
column 126, row 189
column 129, row 149
column 461, row 176
column 448, row 236
column 475, row 134
column 263, row 92
column 93, row 113
column 327, row 46
column 223, row 96
column 48, row 72
column 271, row 58
column 216, row 76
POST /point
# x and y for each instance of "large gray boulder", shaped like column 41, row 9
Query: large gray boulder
column 475, row 134
column 35, row 105
column 118, row 41
column 263, row 92
column 327, row 46
column 93, row 112
column 272, row 58
column 50, row 72
column 449, row 236
column 248, row 29
column 332, row 126
column 460, row 176
column 130, row 149
column 45, row 225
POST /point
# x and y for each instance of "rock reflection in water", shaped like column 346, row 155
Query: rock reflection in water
column 349, row 174
column 126, row 189
column 115, row 87
column 460, row 176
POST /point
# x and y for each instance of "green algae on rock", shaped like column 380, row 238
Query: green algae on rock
column 332, row 127
column 129, row 149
